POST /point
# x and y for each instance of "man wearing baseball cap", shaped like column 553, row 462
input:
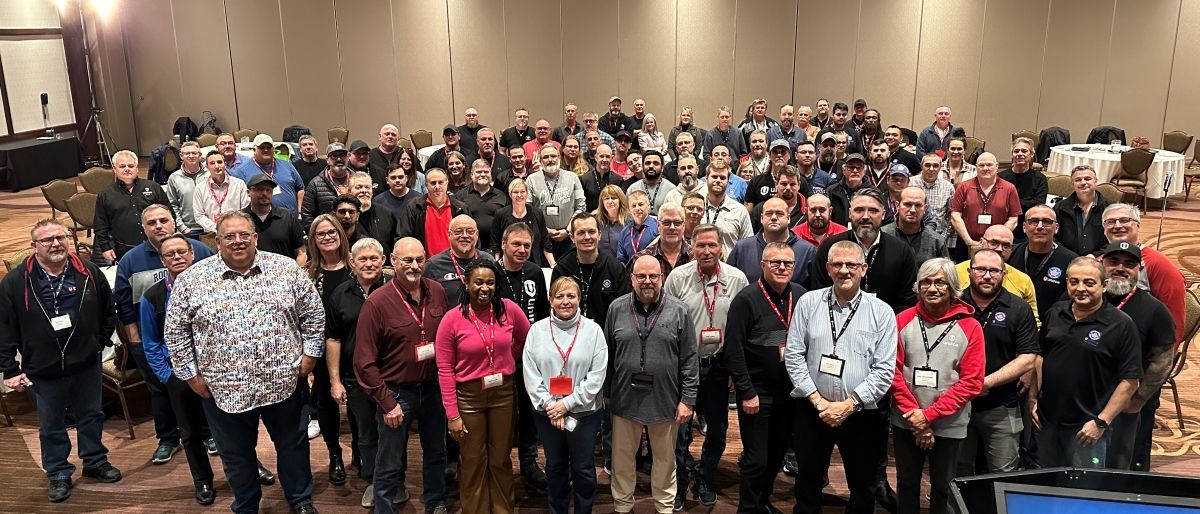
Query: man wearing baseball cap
column 615, row 121
column 289, row 187
column 1090, row 368
column 854, row 168
column 762, row 186
column 452, row 136
column 320, row 195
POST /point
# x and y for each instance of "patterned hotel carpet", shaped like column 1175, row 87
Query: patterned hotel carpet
column 154, row 489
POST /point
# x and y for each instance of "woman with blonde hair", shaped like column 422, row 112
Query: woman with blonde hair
column 612, row 212
column 572, row 158
column 651, row 138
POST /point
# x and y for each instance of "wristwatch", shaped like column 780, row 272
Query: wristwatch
column 858, row 404
column 1100, row 423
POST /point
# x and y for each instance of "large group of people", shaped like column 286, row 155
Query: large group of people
column 835, row 283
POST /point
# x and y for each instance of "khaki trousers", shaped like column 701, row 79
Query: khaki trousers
column 626, row 438
column 485, row 473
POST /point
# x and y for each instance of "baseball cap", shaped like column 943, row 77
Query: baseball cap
column 623, row 134
column 615, row 99
column 898, row 169
column 855, row 157
column 449, row 128
column 860, row 103
column 779, row 143
column 828, row 136
column 1122, row 247
column 262, row 139
column 335, row 147
column 357, row 145
column 261, row 178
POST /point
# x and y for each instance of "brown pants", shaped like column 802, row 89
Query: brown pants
column 485, row 475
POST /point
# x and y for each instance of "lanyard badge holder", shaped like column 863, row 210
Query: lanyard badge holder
column 831, row 364
column 640, row 379
column 494, row 378
column 927, row 376
column 562, row 384
column 785, row 320
column 424, row 349
column 710, row 338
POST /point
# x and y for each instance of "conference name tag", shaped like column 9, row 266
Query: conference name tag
column 925, row 377
column 984, row 219
column 424, row 351
column 561, row 385
column 277, row 191
column 60, row 322
column 710, row 336
column 831, row 365
column 552, row 210
column 493, row 380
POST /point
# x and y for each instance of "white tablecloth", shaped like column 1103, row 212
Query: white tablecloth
column 1107, row 164
column 244, row 150
column 425, row 153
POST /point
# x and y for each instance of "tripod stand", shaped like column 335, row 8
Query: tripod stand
column 101, row 139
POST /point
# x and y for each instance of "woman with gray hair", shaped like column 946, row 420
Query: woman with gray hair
column 940, row 363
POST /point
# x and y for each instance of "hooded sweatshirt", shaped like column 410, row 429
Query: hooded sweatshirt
column 958, row 357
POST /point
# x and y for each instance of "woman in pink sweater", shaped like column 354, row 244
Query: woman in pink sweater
column 477, row 347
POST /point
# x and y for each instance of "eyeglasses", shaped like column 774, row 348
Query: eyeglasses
column 176, row 253
column 328, row 234
column 986, row 271
column 1003, row 245
column 937, row 284
column 779, row 263
column 670, row 223
column 1044, row 222
column 647, row 277
column 1118, row 221
column 47, row 241
column 844, row 265
column 410, row 261
column 462, row 232
column 240, row 236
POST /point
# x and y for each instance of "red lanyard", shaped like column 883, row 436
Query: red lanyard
column 268, row 173
column 635, row 239
column 489, row 341
column 421, row 320
column 567, row 354
column 213, row 192
column 710, row 306
column 1121, row 306
column 458, row 270
column 787, row 321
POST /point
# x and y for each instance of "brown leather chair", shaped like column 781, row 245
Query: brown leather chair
column 1177, row 141
column 338, row 134
column 1131, row 176
column 119, row 375
column 1191, row 173
column 972, row 147
column 82, row 208
column 1191, row 327
column 245, row 134
column 95, row 180
column 1110, row 192
column 207, row 140
column 421, row 138
column 1060, row 185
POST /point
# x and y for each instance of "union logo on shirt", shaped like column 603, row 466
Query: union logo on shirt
column 1093, row 338
column 1054, row 272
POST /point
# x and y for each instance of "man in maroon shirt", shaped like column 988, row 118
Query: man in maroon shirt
column 981, row 202
column 394, row 365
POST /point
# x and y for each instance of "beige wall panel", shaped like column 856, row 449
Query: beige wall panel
column 885, row 70
column 422, row 73
column 1139, row 73
column 764, row 53
column 260, row 76
column 1073, row 75
column 1183, row 101
column 948, row 62
column 1009, row 71
column 704, row 68
column 111, row 77
column 153, row 73
column 588, row 58
column 311, row 55
column 478, row 59
column 204, row 61
column 820, row 75
column 647, row 67
column 368, row 67
column 535, row 79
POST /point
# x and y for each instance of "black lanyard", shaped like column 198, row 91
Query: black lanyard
column 925, row 338
column 518, row 289
column 872, row 253
column 1038, row 270
column 833, row 331
column 585, row 287
column 57, row 289
column 644, row 329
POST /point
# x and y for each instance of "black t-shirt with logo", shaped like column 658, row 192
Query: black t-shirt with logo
column 1048, row 273
column 1084, row 361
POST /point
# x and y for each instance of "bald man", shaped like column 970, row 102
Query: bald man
column 447, row 266
column 981, row 202
column 382, row 157
column 999, row 239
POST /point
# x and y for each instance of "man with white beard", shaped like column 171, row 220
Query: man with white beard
column 688, row 183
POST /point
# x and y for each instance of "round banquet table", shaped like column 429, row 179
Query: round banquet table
column 1064, row 158
column 425, row 153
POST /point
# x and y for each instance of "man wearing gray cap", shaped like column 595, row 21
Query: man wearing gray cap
column 762, row 186
column 615, row 121
column 321, row 193
column 289, row 189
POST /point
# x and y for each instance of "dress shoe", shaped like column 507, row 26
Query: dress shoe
column 402, row 495
column 307, row 508
column 265, row 476
column 59, row 490
column 535, row 477
column 205, row 495
column 337, row 471
column 105, row 472
column 771, row 509
column 886, row 497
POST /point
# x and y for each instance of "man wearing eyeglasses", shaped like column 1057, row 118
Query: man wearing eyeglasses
column 394, row 363
column 1011, row 345
column 138, row 271
column 447, row 267
column 181, row 187
column 747, row 254
column 1041, row 258
column 56, row 311
column 247, row 363
column 1123, row 222
column 758, row 323
column 999, row 239
column 981, row 202
column 841, row 358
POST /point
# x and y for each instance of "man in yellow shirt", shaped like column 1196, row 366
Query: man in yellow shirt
column 1000, row 239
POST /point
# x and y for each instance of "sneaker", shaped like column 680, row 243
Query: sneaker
column 307, row 508
column 59, row 490
column 402, row 495
column 790, row 468
column 105, row 472
column 440, row 509
column 163, row 453
column 607, row 470
column 678, row 502
column 535, row 477
column 210, row 445
column 368, row 499
column 314, row 429
column 704, row 494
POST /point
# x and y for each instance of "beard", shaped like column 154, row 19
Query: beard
column 551, row 170
column 688, row 182
column 818, row 223
column 865, row 232
column 1120, row 286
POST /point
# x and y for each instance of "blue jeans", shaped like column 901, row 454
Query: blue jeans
column 570, row 469
column 237, row 436
column 421, row 402
column 79, row 393
column 1057, row 447
column 712, row 403
column 166, row 427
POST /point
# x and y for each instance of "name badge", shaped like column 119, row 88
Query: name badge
column 642, row 380
column 60, row 322
column 984, row 219
column 277, row 191
column 561, row 385
column 710, row 336
column 493, row 380
column 552, row 210
column 831, row 365
column 925, row 377
column 424, row 351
